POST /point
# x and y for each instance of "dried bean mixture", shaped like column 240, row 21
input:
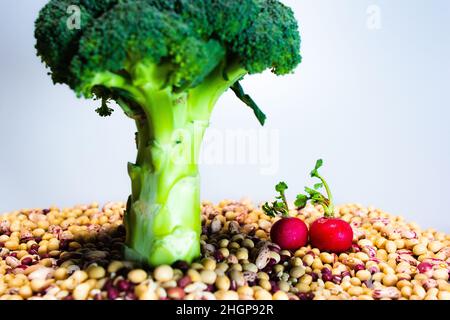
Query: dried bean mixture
column 75, row 254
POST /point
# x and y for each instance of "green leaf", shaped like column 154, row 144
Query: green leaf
column 301, row 201
column 268, row 210
column 104, row 110
column 281, row 187
column 317, row 186
column 245, row 98
column 315, row 172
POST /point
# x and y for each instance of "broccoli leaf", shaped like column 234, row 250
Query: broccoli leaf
column 104, row 110
column 239, row 92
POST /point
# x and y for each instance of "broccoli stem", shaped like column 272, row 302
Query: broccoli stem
column 163, row 212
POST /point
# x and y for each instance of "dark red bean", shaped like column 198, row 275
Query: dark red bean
column 358, row 267
column 183, row 282
column 46, row 211
column 233, row 285
column 182, row 265
column 2, row 244
column 27, row 261
column 337, row 279
column 121, row 230
column 108, row 285
column 113, row 293
column 218, row 256
column 326, row 271
column 346, row 274
column 22, row 266
column 130, row 296
column 274, row 248
column 69, row 297
column 373, row 269
column 26, row 239
column 98, row 296
column 302, row 296
column 327, row 277
column 123, row 285
column 251, row 283
column 274, row 286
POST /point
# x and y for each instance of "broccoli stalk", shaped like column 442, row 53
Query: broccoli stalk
column 163, row 211
column 166, row 63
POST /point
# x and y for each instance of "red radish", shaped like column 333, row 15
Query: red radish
column 327, row 233
column 331, row 234
column 289, row 233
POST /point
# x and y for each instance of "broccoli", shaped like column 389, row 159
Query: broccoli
column 166, row 63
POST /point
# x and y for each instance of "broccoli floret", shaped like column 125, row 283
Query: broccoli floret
column 166, row 63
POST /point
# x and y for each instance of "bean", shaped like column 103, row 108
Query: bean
column 96, row 272
column 163, row 273
column 223, row 283
column 226, row 295
column 194, row 275
column 25, row 292
column 81, row 291
column 262, row 295
column 306, row 279
column 406, row 291
column 115, row 266
column 435, row 246
column 79, row 276
column 444, row 295
column 390, row 246
column 280, row 295
column 139, row 275
column 297, row 272
column 209, row 264
column 176, row 293
column 302, row 287
column 326, row 257
column 363, row 275
column 419, row 249
column 208, row 276
column 389, row 280
column 355, row 291
column 355, row 281
column 419, row 291
column 248, row 243
column 440, row 274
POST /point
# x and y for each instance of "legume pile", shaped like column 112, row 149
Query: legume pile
column 75, row 253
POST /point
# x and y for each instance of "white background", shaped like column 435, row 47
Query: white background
column 374, row 103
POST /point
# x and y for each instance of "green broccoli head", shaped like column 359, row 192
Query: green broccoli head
column 187, row 39
column 165, row 63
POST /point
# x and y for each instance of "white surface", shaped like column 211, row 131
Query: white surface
column 373, row 103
